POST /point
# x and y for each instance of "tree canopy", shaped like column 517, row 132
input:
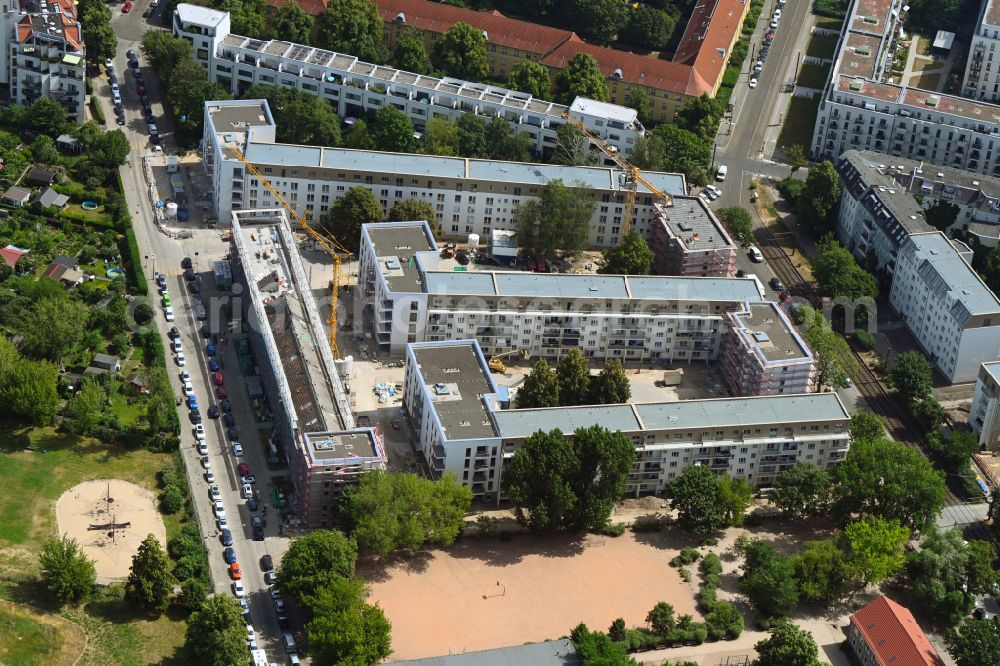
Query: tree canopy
column 531, row 77
column 975, row 643
column 673, row 148
column 821, row 570
column 344, row 628
column 938, row 574
column 787, row 646
column 910, row 375
column 66, row 571
column 461, row 52
column 216, row 635
column 738, row 223
column 768, row 580
column 649, row 27
column 697, row 498
column 291, row 23
column 801, row 490
column 416, row 209
column 817, row 205
column 354, row 27
column 558, row 484
column 314, row 559
column 557, row 222
column 867, row 425
column 392, row 131
column 597, row 20
column 150, row 584
column 540, row 387
column 631, row 257
column 581, row 78
column 877, row 548
column 572, row 147
column 358, row 206
column 574, row 378
column 941, row 215
column 834, row 357
column 410, row 54
column 301, row 118
column 838, row 274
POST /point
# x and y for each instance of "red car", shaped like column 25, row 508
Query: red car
column 127, row 7
column 221, row 392
column 218, row 379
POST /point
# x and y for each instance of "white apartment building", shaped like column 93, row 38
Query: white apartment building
column 410, row 293
column 983, row 416
column 864, row 107
column 469, row 196
column 982, row 75
column 462, row 427
column 355, row 87
column 950, row 311
column 763, row 354
column 44, row 54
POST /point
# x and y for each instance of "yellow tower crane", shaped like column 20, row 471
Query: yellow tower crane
column 329, row 244
column 630, row 172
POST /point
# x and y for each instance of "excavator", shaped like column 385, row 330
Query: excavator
column 496, row 362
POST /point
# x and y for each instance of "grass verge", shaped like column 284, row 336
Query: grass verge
column 32, row 638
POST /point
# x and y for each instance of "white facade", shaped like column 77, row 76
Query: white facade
column 469, row 196
column 354, row 87
column 457, row 413
column 863, row 108
column 982, row 69
column 409, row 293
column 985, row 407
column 950, row 311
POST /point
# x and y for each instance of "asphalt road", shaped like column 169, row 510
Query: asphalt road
column 164, row 254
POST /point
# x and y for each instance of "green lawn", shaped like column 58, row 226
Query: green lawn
column 128, row 414
column 28, row 638
column 813, row 76
column 800, row 118
column 829, row 23
column 822, row 46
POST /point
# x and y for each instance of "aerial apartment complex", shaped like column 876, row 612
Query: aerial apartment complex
column 688, row 239
column 463, row 426
column 984, row 418
column 43, row 54
column 354, row 87
column 409, row 292
column 469, row 196
column 982, row 79
column 313, row 423
column 865, row 107
column 763, row 354
column 696, row 69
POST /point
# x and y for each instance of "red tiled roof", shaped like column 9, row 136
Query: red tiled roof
column 311, row 7
column 712, row 27
column 501, row 30
column 893, row 635
column 54, row 271
column 11, row 255
column 637, row 69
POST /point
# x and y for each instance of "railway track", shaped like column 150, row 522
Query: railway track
column 871, row 389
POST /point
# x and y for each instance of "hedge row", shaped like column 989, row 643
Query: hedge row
column 135, row 278
column 97, row 111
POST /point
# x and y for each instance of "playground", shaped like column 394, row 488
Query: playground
column 109, row 518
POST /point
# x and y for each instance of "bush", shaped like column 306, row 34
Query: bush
column 724, row 622
column 133, row 264
column 172, row 500
column 97, row 111
column 614, row 530
column 75, row 191
column 686, row 556
column 640, row 526
column 711, row 564
column 143, row 313
column 708, row 541
column 864, row 339
column 791, row 189
column 487, row 527
column 80, row 217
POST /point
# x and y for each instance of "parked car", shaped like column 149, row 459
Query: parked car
column 202, row 447
column 192, row 402
column 243, row 468
column 222, row 393
column 233, row 434
column 252, row 504
column 127, row 7
column 210, row 350
column 206, row 463
column 776, row 284
column 214, row 493
column 271, row 577
column 195, row 416
column 266, row 563
column 753, row 81
column 180, row 355
column 229, row 555
column 210, row 476
column 247, row 490
column 713, row 192
column 199, row 431
column 168, row 314
column 235, row 572
column 213, row 365
column 226, row 406
column 720, row 175
column 218, row 379
column 229, row 420
column 237, row 449
column 227, row 538
column 238, row 589
column 213, row 412
column 755, row 254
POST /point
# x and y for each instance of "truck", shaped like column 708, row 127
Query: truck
column 259, row 657
column 173, row 164
column 177, row 184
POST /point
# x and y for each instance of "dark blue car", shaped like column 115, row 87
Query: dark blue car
column 210, row 350
column 227, row 538
column 229, row 555
column 213, row 365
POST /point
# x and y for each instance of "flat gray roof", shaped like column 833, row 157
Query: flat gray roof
column 691, row 220
column 549, row 653
column 944, row 270
column 324, row 448
column 456, row 382
column 232, row 118
column 993, row 368
column 686, row 414
column 395, row 244
column 766, row 328
column 694, row 288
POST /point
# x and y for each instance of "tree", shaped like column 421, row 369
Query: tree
column 503, row 143
column 43, row 149
column 359, row 137
column 867, row 425
column 684, row 152
column 531, row 77
column 87, row 407
column 150, row 584
column 597, row 20
column 301, row 118
column 344, row 628
column 47, row 116
column 354, row 27
column 738, row 223
column 927, row 16
column 796, row 156
column 975, row 643
column 247, row 17
column 648, row 27
column 611, row 386
column 410, row 54
column 696, row 497
column 941, row 215
column 617, row 630
column 216, row 635
column 557, row 484
column 164, row 52
column 143, row 314
column 886, row 479
column 358, row 206
column 839, row 274
column 787, row 646
column 661, row 618
column 938, row 574
column 540, row 387
column 471, row 136
column 979, row 572
column 440, row 137
column 928, row 413
column 393, row 131
column 631, row 257
column 637, row 99
column 910, row 375
column 66, row 571
column 821, row 570
column 461, row 52
column 817, row 206
column 735, row 495
column 572, row 147
column 835, row 359
column 595, row 648
column 111, row 150
column 292, row 24
column 877, row 548
column 574, row 378
column 98, row 33
column 580, row 78
column 768, row 580
column 557, row 222
column 193, row 594
column 28, row 388
column 701, row 116
column 415, row 209
column 391, row 511
column 314, row 559
column 801, row 490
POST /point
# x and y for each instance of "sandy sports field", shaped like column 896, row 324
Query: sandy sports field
column 109, row 518
column 448, row 601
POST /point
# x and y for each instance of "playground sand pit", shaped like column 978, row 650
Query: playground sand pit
column 109, row 518
column 478, row 595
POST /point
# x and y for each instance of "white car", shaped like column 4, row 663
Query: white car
column 774, row 23
column 777, row 14
column 222, row 521
column 218, row 507
column 251, row 634
column 214, row 493
column 720, row 175
column 206, row 463
column 238, row 590
column 168, row 313
column 185, row 376
column 210, row 476
column 176, row 345
column 755, row 254
column 202, row 448
column 247, row 490
column 180, row 359
column 199, row 431
column 188, row 388
column 252, row 644
column 109, row 64
column 237, row 449
column 753, row 82
column 713, row 192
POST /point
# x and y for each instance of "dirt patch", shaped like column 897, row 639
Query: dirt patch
column 483, row 594
column 126, row 513
column 28, row 630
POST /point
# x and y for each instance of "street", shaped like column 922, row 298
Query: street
column 161, row 253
